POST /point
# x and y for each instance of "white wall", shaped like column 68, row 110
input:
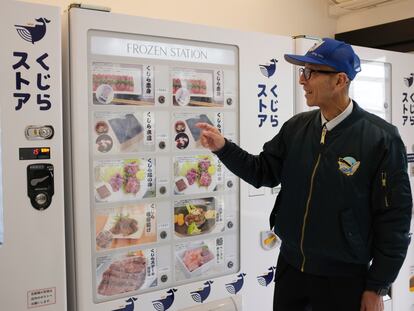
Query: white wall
column 280, row 17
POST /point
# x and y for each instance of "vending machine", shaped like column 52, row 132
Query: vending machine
column 384, row 87
column 32, row 241
column 156, row 222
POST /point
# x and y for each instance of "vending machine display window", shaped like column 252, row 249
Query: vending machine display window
column 165, row 211
column 371, row 88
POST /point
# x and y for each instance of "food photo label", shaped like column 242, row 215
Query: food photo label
column 194, row 217
column 124, row 180
column 123, row 132
column 197, row 87
column 187, row 135
column 126, row 272
column 122, row 84
column 126, row 226
column 203, row 258
column 195, row 175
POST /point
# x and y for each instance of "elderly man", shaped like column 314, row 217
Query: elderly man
column 344, row 209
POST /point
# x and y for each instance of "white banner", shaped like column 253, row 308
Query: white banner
column 160, row 50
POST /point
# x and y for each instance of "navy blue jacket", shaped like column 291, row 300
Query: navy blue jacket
column 345, row 195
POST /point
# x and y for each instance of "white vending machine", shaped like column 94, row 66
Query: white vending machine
column 156, row 221
column 384, row 87
column 32, row 241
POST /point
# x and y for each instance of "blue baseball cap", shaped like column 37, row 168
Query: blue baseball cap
column 336, row 54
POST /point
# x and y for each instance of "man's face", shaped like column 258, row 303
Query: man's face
column 319, row 88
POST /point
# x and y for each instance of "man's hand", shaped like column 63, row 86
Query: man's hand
column 371, row 302
column 210, row 137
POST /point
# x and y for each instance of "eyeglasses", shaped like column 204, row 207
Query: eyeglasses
column 307, row 72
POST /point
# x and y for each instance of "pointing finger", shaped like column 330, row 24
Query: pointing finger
column 204, row 126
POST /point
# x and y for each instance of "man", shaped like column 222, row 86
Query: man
column 344, row 209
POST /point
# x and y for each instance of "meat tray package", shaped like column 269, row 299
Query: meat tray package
column 185, row 133
column 197, row 87
column 125, row 226
column 196, row 174
column 126, row 273
column 200, row 216
column 205, row 258
column 123, row 132
column 122, row 84
column 124, row 180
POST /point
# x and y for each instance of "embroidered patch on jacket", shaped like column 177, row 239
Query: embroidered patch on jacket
column 348, row 165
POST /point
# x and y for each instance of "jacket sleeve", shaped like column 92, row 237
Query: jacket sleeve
column 391, row 209
column 258, row 170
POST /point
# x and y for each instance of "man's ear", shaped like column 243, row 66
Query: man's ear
column 342, row 79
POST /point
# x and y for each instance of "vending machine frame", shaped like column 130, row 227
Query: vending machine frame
column 32, row 250
column 265, row 102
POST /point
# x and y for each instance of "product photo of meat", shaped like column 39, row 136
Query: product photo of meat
column 195, row 131
column 124, row 225
column 123, row 276
column 128, row 130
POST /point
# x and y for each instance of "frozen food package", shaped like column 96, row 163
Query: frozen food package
column 197, row 87
column 185, row 132
column 124, row 180
column 196, row 174
column 201, row 258
column 126, row 272
column 198, row 216
column 122, row 84
column 195, row 131
column 123, row 132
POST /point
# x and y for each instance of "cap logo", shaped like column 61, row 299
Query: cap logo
column 348, row 165
column 316, row 45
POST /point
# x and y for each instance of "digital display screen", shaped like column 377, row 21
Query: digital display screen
column 37, row 153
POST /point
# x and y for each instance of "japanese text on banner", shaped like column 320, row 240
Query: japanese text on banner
column 23, row 92
column 267, row 103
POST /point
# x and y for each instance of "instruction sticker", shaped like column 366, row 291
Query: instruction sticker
column 41, row 297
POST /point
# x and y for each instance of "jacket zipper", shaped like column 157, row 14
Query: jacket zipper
column 384, row 186
column 322, row 142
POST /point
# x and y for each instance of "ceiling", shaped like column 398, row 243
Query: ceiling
column 341, row 7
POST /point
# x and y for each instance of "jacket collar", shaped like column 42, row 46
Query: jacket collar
column 355, row 115
column 339, row 118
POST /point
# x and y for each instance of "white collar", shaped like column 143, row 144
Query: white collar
column 339, row 118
